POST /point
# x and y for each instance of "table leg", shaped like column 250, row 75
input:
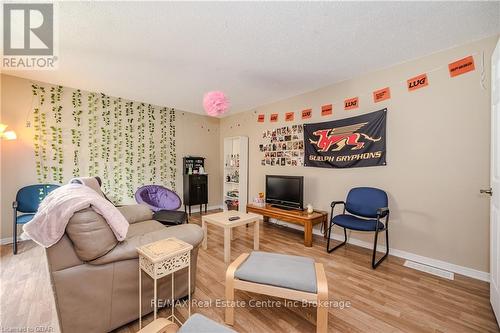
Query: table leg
column 155, row 299
column 325, row 226
column 227, row 245
column 172, row 299
column 308, row 233
column 232, row 233
column 256, row 227
column 140, row 298
column 205, row 233
column 189, row 286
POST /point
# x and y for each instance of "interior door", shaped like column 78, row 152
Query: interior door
column 495, row 184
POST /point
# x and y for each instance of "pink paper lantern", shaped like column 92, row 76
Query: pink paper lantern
column 215, row 103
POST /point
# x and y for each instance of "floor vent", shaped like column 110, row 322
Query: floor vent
column 429, row 269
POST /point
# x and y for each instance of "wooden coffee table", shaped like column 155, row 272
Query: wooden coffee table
column 222, row 220
column 300, row 217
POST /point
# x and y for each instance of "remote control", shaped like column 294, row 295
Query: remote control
column 234, row 218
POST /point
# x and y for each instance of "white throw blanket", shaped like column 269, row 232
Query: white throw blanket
column 55, row 211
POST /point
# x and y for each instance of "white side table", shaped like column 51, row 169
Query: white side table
column 162, row 258
column 222, row 220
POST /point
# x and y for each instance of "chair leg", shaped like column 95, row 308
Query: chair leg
column 229, row 315
column 14, row 232
column 14, row 239
column 338, row 245
column 376, row 263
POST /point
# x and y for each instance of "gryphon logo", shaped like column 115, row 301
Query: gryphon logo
column 28, row 29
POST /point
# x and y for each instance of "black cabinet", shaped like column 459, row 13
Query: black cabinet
column 195, row 191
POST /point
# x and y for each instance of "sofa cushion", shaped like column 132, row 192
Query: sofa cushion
column 91, row 235
column 146, row 232
column 198, row 323
column 136, row 213
column 280, row 270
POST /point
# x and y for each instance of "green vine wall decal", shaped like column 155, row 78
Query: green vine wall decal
column 43, row 137
column 37, row 136
column 126, row 143
column 129, row 148
column 164, row 151
column 152, row 144
column 117, row 149
column 76, row 133
column 105, row 140
column 57, row 138
column 141, row 145
column 173, row 155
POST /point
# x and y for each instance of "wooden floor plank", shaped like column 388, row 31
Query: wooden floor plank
column 392, row 298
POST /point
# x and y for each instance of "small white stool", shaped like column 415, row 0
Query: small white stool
column 162, row 258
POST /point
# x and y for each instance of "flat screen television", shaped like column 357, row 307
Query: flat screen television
column 285, row 191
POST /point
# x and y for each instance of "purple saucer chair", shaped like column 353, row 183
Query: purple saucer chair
column 163, row 202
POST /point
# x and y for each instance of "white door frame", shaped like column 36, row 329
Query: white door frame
column 495, row 184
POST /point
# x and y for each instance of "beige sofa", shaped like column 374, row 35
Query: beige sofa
column 95, row 278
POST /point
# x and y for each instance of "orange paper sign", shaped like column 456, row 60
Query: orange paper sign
column 417, row 82
column 381, row 95
column 461, row 66
column 326, row 110
column 260, row 118
column 289, row 116
column 274, row 117
column 351, row 103
column 306, row 114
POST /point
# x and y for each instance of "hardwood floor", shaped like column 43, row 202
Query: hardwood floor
column 391, row 298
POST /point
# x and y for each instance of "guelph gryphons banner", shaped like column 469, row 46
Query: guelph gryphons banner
column 346, row 143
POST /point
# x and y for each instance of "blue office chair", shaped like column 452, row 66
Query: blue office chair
column 367, row 207
column 27, row 201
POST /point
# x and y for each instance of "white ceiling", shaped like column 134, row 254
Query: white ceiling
column 171, row 53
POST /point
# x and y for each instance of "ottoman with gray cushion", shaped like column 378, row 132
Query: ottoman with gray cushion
column 279, row 275
column 198, row 323
column 280, row 270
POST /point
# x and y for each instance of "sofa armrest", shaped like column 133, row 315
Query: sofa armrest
column 136, row 213
column 126, row 250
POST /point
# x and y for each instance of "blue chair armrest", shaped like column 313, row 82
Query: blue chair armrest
column 14, row 205
column 337, row 203
column 381, row 212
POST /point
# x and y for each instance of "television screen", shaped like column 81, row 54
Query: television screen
column 285, row 191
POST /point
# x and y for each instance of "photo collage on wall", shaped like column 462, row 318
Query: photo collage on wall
column 283, row 146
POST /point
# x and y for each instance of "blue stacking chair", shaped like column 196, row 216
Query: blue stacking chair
column 367, row 208
column 27, row 201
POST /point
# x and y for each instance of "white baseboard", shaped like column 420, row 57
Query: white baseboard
column 466, row 271
column 7, row 241
column 196, row 209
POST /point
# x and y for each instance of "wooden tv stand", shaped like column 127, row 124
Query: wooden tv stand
column 300, row 217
